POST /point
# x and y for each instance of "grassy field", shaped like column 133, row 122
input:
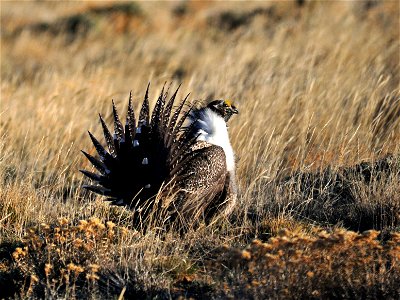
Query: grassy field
column 317, row 145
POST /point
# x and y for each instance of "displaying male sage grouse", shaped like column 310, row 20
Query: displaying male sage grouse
column 178, row 160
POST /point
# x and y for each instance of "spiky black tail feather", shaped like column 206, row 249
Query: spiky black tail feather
column 142, row 155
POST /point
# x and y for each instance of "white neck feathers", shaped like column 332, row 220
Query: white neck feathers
column 212, row 129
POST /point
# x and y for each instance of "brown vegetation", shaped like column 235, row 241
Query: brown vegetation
column 317, row 144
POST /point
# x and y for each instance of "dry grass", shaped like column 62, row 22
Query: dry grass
column 317, row 87
column 342, row 264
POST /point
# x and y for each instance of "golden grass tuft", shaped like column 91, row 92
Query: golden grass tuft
column 63, row 257
column 338, row 264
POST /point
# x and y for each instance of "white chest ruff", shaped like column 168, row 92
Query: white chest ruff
column 213, row 130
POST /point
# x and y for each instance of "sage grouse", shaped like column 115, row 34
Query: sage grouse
column 180, row 153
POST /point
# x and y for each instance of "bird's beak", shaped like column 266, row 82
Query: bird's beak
column 235, row 111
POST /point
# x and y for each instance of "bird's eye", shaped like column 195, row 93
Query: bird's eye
column 225, row 105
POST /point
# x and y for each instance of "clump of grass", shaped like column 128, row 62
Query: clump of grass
column 61, row 259
column 340, row 264
column 359, row 197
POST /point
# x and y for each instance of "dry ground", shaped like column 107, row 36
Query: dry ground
column 317, row 142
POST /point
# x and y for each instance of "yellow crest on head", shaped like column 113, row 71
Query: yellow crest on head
column 228, row 102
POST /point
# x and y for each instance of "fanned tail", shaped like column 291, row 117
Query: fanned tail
column 142, row 155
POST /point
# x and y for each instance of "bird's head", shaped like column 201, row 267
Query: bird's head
column 224, row 108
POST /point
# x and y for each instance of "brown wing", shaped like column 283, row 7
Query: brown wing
column 224, row 205
column 202, row 181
